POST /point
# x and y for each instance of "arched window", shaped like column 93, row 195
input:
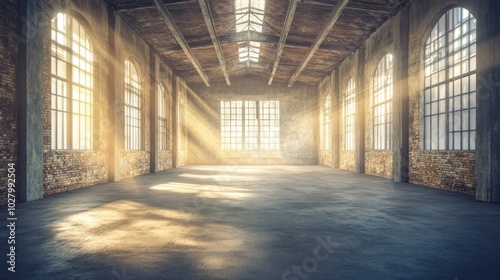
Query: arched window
column 450, row 83
column 133, row 107
column 71, row 85
column 162, row 118
column 327, row 122
column 382, row 105
column 349, row 112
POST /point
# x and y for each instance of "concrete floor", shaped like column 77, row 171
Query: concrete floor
column 255, row 222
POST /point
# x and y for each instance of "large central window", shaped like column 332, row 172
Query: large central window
column 250, row 125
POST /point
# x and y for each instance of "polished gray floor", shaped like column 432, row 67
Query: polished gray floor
column 255, row 222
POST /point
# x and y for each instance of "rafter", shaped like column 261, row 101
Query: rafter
column 334, row 16
column 180, row 39
column 284, row 34
column 254, row 67
column 207, row 14
column 145, row 5
column 374, row 8
column 255, row 37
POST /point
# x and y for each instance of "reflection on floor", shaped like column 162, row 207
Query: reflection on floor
column 256, row 222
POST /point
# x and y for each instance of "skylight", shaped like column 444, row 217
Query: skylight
column 249, row 15
column 249, row 51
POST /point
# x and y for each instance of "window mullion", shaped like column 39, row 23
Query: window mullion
column 69, row 73
column 257, row 106
column 447, row 88
column 243, row 122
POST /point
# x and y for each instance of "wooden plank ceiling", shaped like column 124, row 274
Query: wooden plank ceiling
column 208, row 29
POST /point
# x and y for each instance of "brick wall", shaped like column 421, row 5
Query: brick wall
column 8, row 99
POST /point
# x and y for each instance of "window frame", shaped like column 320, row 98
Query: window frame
column 162, row 117
column 438, row 92
column 383, row 85
column 133, row 133
column 66, row 107
column 327, row 122
column 349, row 116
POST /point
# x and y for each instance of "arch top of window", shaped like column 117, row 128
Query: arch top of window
column 328, row 98
column 131, row 70
column 350, row 89
column 450, row 19
column 65, row 26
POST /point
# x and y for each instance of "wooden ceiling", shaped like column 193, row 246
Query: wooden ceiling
column 301, row 40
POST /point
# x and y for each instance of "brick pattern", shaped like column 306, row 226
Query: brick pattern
column 63, row 171
column 8, row 98
column 164, row 160
column 348, row 160
column 379, row 163
column 444, row 170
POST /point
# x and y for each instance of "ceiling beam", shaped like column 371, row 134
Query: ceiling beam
column 252, row 66
column 284, row 34
column 256, row 37
column 180, row 39
column 145, row 5
column 236, row 67
column 334, row 16
column 207, row 14
column 374, row 8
